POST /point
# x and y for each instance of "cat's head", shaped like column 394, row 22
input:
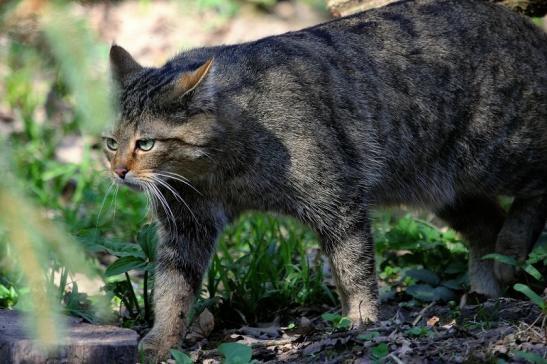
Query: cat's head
column 166, row 130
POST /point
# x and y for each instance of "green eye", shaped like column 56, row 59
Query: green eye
column 145, row 144
column 111, row 144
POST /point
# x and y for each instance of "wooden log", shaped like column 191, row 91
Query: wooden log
column 536, row 8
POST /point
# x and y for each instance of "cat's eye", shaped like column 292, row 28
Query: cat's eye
column 145, row 144
column 111, row 144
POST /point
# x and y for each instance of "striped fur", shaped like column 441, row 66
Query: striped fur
column 436, row 103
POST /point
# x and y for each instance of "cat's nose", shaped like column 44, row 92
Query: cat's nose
column 121, row 171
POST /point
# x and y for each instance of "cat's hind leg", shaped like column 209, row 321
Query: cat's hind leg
column 524, row 223
column 479, row 219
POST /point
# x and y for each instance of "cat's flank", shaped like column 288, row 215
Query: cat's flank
column 436, row 103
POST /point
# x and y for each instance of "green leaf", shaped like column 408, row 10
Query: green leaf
column 426, row 293
column 423, row 275
column 124, row 264
column 456, row 284
column 419, row 331
column 501, row 258
column 4, row 292
column 531, row 270
column 387, row 294
column 456, row 267
column 367, row 336
column 58, row 170
column 422, row 292
column 200, row 305
column 344, row 323
column 380, row 351
column 533, row 296
column 443, row 294
column 235, row 353
column 291, row 326
column 147, row 239
column 180, row 357
column 539, row 253
column 453, row 284
column 530, row 357
column 331, row 317
column 122, row 249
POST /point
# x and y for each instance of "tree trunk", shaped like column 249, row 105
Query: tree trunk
column 346, row 7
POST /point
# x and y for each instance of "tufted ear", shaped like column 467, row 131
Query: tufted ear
column 122, row 64
column 188, row 81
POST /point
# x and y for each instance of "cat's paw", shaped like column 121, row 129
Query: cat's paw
column 152, row 350
column 362, row 313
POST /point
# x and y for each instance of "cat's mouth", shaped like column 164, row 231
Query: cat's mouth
column 133, row 185
column 131, row 182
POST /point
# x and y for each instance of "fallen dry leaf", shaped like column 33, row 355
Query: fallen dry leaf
column 432, row 321
column 202, row 327
column 271, row 332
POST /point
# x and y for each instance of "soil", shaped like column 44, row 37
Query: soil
column 496, row 329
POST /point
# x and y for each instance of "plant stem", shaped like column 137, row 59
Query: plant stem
column 146, row 303
column 133, row 296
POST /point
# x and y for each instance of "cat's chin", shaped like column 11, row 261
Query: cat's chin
column 132, row 185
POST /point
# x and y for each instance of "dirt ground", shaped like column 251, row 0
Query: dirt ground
column 156, row 31
column 485, row 333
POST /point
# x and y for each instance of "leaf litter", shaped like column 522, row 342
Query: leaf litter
column 499, row 329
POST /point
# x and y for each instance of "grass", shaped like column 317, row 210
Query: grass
column 264, row 261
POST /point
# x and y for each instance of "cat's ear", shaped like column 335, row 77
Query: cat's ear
column 122, row 64
column 188, row 81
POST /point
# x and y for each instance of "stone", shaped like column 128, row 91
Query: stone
column 84, row 343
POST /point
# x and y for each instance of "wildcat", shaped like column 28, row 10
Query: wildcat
column 436, row 103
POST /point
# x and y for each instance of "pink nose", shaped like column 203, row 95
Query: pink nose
column 121, row 171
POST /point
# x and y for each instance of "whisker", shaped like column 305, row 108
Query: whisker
column 102, row 204
column 151, row 193
column 171, row 174
column 115, row 202
column 169, row 187
column 177, row 195
column 179, row 178
column 153, row 179
column 148, row 201
column 164, row 204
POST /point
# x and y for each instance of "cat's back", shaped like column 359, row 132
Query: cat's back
column 409, row 40
column 405, row 49
column 441, row 28
column 428, row 85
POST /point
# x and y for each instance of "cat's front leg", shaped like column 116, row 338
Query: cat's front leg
column 351, row 254
column 182, row 259
column 173, row 297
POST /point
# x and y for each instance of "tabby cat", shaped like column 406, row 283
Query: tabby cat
column 436, row 103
